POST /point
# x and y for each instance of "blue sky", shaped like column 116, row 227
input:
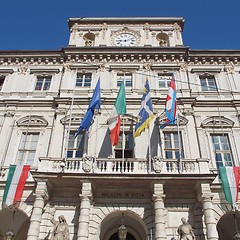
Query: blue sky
column 42, row 24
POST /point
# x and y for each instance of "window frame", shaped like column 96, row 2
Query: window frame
column 73, row 143
column 126, row 77
column 208, row 87
column 81, row 80
column 221, row 151
column 2, row 80
column 26, row 149
column 46, row 83
column 167, row 80
column 173, row 148
column 129, row 145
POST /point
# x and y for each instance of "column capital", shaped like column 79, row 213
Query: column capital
column 205, row 193
column 41, row 189
column 158, row 197
column 84, row 196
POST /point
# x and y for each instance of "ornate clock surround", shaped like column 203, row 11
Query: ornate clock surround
column 125, row 30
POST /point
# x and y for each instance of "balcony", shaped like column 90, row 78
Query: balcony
column 124, row 166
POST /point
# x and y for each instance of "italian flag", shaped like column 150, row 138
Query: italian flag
column 230, row 181
column 114, row 122
column 16, row 180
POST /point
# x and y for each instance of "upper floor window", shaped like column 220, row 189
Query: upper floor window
column 126, row 77
column 222, row 150
column 43, row 83
column 128, row 145
column 2, row 79
column 28, row 147
column 75, row 145
column 208, row 83
column 83, row 80
column 173, row 145
column 164, row 80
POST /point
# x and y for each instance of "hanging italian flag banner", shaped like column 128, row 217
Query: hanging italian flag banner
column 114, row 122
column 16, row 180
column 230, row 181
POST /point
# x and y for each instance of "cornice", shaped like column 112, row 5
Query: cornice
column 126, row 20
column 125, row 54
column 31, row 57
column 120, row 54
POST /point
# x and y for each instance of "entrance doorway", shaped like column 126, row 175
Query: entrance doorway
column 129, row 236
column 229, row 225
column 16, row 222
column 135, row 226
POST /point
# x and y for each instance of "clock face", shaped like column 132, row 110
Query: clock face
column 125, row 40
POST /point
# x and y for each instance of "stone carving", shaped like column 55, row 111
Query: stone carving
column 88, row 43
column 157, row 164
column 185, row 230
column 23, row 69
column 87, row 163
column 60, row 230
column 162, row 43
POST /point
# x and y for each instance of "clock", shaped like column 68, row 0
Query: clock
column 125, row 40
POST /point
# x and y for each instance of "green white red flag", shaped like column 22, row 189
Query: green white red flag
column 230, row 177
column 114, row 122
column 16, row 180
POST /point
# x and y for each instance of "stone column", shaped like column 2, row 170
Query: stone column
column 36, row 217
column 158, row 199
column 208, row 211
column 84, row 217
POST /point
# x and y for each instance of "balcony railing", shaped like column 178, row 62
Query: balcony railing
column 118, row 166
column 126, row 166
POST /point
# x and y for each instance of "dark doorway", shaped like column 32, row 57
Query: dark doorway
column 115, row 236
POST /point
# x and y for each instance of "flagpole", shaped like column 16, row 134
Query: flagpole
column 149, row 153
column 26, row 135
column 96, row 138
column 149, row 137
column 179, row 147
column 85, row 147
column 69, row 125
column 123, row 145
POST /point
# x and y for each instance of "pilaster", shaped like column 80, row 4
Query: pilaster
column 158, row 199
column 36, row 217
column 208, row 211
column 84, row 217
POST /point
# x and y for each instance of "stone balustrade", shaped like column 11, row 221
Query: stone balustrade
column 119, row 166
column 128, row 165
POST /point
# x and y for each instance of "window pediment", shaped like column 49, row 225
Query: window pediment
column 213, row 70
column 44, row 71
column 75, row 119
column 32, row 121
column 217, row 122
column 182, row 121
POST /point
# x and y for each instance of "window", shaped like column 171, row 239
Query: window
column 2, row 78
column 222, row 150
column 129, row 144
column 208, row 83
column 171, row 145
column 28, row 147
column 127, row 78
column 164, row 80
column 43, row 83
column 75, row 145
column 83, row 80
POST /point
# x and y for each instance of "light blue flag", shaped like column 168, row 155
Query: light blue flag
column 145, row 115
column 94, row 104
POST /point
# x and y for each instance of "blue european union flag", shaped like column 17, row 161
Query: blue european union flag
column 94, row 104
column 145, row 115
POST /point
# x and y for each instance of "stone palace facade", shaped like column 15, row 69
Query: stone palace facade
column 158, row 177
